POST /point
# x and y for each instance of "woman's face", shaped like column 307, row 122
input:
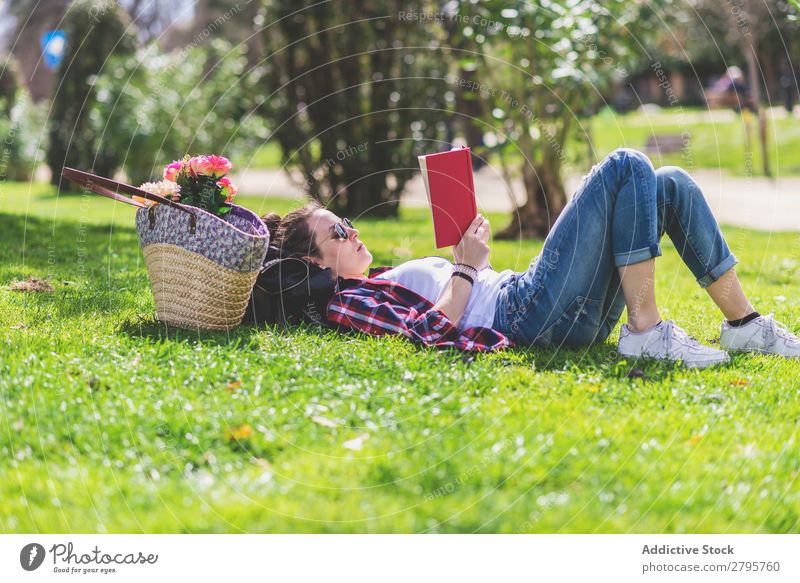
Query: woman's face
column 346, row 257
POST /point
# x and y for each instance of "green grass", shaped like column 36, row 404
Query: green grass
column 112, row 423
column 712, row 145
column 267, row 156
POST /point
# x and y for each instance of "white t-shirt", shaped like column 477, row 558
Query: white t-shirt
column 428, row 276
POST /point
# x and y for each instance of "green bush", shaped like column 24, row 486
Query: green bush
column 22, row 138
column 153, row 108
column 10, row 81
column 93, row 36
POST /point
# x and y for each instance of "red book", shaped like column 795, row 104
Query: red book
column 451, row 193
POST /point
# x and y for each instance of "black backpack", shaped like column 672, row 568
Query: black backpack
column 290, row 290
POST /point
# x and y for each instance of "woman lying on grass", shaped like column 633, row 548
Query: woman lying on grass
column 598, row 258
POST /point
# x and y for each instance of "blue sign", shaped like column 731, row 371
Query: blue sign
column 54, row 44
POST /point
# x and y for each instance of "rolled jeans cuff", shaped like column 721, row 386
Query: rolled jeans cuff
column 637, row 255
column 715, row 273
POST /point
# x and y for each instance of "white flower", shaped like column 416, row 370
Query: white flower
column 165, row 188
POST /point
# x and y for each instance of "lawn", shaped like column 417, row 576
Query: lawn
column 113, row 423
column 717, row 139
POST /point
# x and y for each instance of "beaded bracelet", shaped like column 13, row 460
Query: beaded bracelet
column 464, row 275
column 464, row 266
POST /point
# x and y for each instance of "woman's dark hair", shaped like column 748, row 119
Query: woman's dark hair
column 293, row 234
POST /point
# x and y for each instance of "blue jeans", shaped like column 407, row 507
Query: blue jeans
column 571, row 294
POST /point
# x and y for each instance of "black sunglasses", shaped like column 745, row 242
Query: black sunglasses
column 339, row 230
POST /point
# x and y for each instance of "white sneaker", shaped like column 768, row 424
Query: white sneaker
column 763, row 334
column 668, row 342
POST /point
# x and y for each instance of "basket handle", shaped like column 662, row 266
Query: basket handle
column 112, row 189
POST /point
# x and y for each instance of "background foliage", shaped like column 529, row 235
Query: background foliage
column 95, row 36
column 152, row 108
column 354, row 105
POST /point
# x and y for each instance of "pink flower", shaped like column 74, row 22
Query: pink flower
column 171, row 170
column 200, row 165
column 219, row 165
column 228, row 189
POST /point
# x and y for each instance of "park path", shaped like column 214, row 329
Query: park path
column 753, row 202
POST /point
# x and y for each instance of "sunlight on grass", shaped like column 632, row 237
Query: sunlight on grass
column 113, row 423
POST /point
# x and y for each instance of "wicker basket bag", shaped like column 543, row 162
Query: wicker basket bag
column 202, row 267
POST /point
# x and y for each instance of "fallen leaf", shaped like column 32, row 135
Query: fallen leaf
column 238, row 433
column 356, row 443
column 32, row 284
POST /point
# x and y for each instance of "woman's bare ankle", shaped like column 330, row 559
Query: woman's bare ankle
column 643, row 322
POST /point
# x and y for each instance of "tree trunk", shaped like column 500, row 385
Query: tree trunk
column 545, row 201
column 468, row 106
column 748, row 142
column 755, row 97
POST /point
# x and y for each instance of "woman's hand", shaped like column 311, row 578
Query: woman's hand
column 473, row 248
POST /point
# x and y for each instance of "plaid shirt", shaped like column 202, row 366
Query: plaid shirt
column 379, row 306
